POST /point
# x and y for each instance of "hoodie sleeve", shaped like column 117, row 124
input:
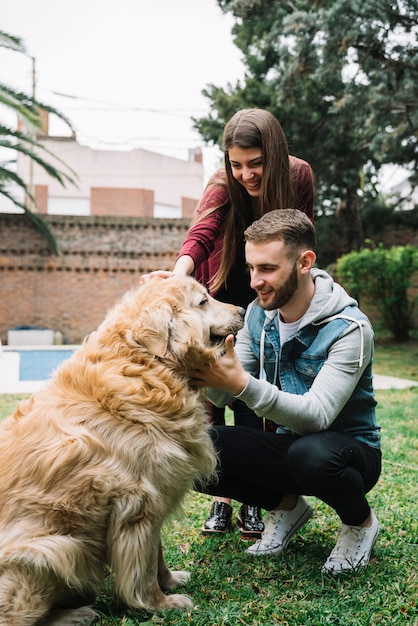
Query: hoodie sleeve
column 316, row 410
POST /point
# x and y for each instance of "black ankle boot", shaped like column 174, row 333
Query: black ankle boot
column 219, row 520
column 249, row 521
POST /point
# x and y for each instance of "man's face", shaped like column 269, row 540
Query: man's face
column 274, row 275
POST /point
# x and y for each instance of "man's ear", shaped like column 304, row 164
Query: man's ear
column 307, row 260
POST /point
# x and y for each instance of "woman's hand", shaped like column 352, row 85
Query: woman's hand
column 184, row 267
column 225, row 373
column 161, row 273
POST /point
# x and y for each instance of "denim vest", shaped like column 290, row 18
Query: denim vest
column 294, row 366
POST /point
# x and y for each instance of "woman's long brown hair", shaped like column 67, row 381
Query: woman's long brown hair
column 252, row 128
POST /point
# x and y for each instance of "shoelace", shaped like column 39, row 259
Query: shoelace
column 271, row 530
column 349, row 542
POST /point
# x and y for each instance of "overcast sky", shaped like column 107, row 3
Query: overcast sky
column 128, row 73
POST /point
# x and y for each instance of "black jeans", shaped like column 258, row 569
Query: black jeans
column 243, row 416
column 256, row 466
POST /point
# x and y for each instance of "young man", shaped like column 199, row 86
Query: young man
column 302, row 360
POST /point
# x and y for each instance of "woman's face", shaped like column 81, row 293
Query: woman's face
column 247, row 168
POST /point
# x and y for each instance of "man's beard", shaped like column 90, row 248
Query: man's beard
column 284, row 293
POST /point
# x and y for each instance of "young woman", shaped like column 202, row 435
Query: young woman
column 258, row 176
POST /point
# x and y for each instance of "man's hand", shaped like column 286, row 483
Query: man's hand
column 225, row 373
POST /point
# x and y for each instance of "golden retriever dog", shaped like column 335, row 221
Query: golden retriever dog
column 93, row 463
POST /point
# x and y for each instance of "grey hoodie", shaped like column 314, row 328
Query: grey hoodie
column 328, row 384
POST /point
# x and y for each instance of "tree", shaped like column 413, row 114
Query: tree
column 27, row 109
column 342, row 78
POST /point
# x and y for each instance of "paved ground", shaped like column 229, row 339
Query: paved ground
column 21, row 386
column 390, row 382
column 380, row 382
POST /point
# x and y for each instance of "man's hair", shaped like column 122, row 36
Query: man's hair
column 291, row 226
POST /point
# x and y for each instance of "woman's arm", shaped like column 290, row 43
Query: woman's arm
column 184, row 266
column 206, row 226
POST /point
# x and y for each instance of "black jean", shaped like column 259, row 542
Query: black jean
column 256, row 466
column 243, row 416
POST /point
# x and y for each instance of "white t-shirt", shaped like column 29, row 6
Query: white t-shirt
column 287, row 329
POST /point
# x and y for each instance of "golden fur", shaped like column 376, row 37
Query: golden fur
column 93, row 463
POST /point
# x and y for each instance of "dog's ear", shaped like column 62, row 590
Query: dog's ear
column 188, row 340
column 153, row 331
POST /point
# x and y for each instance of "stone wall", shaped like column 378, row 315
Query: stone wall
column 102, row 257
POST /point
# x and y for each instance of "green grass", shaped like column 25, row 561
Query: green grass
column 396, row 359
column 231, row 588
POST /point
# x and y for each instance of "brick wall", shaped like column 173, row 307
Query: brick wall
column 101, row 258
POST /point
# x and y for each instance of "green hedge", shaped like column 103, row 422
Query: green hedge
column 384, row 277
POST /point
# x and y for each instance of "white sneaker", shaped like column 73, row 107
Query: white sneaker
column 279, row 528
column 353, row 548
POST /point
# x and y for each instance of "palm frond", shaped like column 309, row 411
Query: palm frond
column 39, row 223
column 28, row 110
column 9, row 176
column 31, row 117
column 23, row 148
column 11, row 42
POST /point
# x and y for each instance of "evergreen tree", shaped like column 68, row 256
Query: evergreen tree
column 342, row 78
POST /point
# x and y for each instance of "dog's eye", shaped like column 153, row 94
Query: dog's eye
column 203, row 302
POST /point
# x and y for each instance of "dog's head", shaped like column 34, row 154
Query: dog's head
column 175, row 318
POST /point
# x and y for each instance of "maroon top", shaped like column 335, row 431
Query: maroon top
column 204, row 241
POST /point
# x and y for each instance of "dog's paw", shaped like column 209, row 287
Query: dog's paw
column 174, row 579
column 181, row 577
column 177, row 601
column 83, row 616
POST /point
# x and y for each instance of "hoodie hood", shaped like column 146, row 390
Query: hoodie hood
column 329, row 299
column 328, row 303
